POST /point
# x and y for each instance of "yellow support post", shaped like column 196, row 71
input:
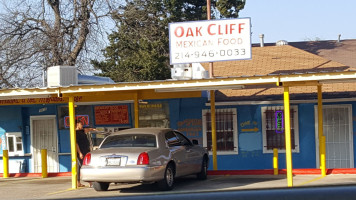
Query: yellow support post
column 73, row 142
column 288, row 137
column 322, row 156
column 5, row 157
column 213, row 129
column 275, row 161
column 320, row 123
column 44, row 163
column 136, row 110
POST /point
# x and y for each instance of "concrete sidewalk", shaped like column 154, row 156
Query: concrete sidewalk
column 60, row 187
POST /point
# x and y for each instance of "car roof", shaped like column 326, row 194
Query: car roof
column 154, row 131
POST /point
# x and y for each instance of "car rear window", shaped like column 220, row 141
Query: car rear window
column 139, row 140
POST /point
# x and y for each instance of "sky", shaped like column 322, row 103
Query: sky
column 301, row 20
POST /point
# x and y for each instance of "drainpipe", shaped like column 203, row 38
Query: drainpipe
column 262, row 40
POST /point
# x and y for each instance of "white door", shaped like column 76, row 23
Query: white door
column 44, row 136
column 337, row 126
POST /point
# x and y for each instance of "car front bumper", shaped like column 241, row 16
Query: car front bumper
column 125, row 174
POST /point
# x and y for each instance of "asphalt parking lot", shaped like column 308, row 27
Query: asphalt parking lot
column 60, row 187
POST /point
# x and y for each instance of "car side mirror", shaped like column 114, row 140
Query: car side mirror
column 195, row 142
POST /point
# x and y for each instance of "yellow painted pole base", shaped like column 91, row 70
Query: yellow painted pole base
column 275, row 161
column 5, row 157
column 44, row 163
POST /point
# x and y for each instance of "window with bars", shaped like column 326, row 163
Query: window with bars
column 226, row 130
column 273, row 128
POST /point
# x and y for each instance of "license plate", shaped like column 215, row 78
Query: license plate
column 113, row 161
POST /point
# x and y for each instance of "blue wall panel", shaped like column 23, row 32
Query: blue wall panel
column 354, row 129
column 250, row 140
column 307, row 156
column 65, row 163
column 64, row 141
column 10, row 118
column 190, row 118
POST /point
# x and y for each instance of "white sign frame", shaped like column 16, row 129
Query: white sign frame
column 210, row 40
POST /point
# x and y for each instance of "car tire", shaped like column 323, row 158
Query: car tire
column 203, row 174
column 168, row 180
column 101, row 186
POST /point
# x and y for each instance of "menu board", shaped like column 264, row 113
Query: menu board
column 105, row 115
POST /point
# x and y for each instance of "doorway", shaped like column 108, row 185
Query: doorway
column 337, row 127
column 44, row 136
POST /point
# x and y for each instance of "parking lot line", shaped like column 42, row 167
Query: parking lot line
column 307, row 182
column 61, row 191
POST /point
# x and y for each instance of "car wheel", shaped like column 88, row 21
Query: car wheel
column 168, row 180
column 202, row 175
column 101, row 186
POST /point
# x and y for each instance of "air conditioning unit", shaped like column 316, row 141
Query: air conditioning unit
column 181, row 72
column 189, row 71
column 62, row 76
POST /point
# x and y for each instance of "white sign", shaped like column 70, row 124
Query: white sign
column 211, row 40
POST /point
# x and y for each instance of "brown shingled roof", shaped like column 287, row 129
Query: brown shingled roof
column 279, row 60
column 343, row 51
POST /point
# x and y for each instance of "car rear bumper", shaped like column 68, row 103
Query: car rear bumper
column 122, row 174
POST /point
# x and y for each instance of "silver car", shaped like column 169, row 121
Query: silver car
column 144, row 155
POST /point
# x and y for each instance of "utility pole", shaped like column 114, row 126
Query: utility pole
column 212, row 104
column 211, row 66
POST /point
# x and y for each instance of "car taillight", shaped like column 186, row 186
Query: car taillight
column 87, row 159
column 143, row 159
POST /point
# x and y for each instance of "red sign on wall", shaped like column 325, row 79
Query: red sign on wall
column 83, row 118
column 106, row 115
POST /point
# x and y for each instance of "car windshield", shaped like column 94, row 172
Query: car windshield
column 136, row 140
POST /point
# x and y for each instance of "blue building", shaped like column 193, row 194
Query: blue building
column 249, row 112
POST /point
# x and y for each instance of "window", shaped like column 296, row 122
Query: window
column 226, row 130
column 274, row 131
column 154, row 114
column 83, row 113
column 129, row 140
column 14, row 144
column 172, row 139
column 183, row 140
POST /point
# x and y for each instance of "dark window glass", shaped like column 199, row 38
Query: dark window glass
column 172, row 139
column 11, row 144
column 224, row 130
column 183, row 140
column 19, row 143
column 275, row 133
column 139, row 140
column 82, row 110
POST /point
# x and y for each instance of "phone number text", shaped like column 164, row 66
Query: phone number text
column 211, row 53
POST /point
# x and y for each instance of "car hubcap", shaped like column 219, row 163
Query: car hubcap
column 169, row 177
column 205, row 167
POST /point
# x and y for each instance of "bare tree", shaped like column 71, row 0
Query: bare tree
column 37, row 34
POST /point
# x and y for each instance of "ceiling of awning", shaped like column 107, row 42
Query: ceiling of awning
column 174, row 88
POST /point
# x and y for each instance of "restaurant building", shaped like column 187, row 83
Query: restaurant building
column 249, row 106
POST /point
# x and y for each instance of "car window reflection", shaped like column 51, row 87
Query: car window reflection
column 139, row 140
